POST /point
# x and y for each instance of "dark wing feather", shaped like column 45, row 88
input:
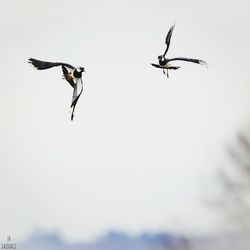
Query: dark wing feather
column 78, row 88
column 167, row 40
column 157, row 65
column 164, row 67
column 47, row 65
column 174, row 67
column 198, row 61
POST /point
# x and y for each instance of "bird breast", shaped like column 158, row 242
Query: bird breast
column 69, row 76
column 166, row 65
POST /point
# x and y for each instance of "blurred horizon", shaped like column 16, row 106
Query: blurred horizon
column 146, row 240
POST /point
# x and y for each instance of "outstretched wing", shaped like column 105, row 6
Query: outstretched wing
column 198, row 61
column 157, row 66
column 47, row 65
column 78, row 88
column 165, row 67
column 167, row 40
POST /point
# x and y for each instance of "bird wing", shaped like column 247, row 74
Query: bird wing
column 198, row 61
column 68, row 75
column 78, row 88
column 47, row 65
column 168, row 38
column 164, row 67
column 157, row 66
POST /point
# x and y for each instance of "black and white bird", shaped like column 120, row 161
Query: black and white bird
column 72, row 74
column 164, row 62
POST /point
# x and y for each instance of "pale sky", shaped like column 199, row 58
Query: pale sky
column 141, row 146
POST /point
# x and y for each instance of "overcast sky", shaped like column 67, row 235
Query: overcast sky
column 141, row 146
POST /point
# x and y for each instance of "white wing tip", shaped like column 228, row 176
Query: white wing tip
column 201, row 62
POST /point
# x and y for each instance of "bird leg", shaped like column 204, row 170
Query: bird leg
column 164, row 72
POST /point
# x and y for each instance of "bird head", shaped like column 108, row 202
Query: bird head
column 80, row 69
column 162, row 60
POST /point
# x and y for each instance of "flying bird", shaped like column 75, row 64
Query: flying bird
column 73, row 75
column 164, row 62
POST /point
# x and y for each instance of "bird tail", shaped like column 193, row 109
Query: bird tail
column 42, row 64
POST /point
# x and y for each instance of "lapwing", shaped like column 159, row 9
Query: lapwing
column 164, row 62
column 73, row 75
